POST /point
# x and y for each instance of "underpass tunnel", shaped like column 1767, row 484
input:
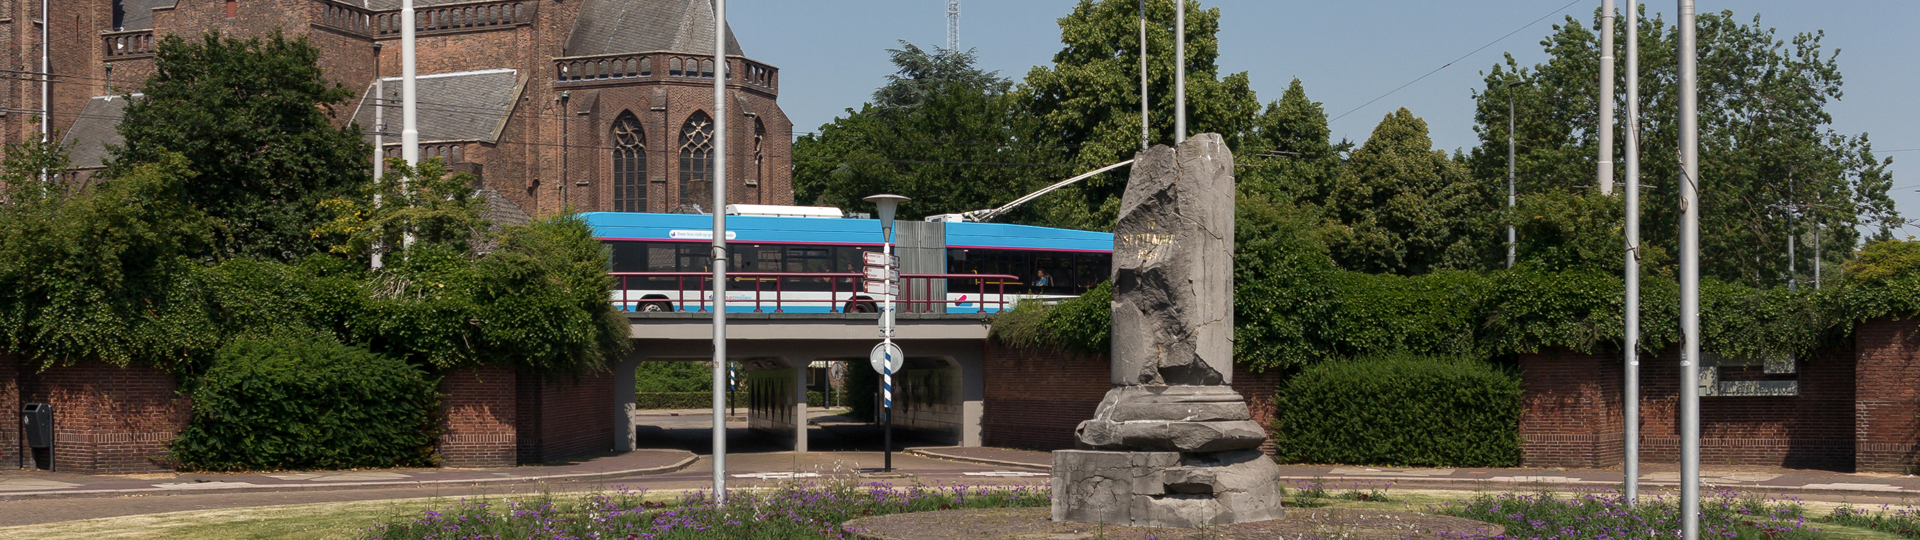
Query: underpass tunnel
column 937, row 397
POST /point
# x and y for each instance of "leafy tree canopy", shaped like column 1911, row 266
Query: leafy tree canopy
column 1086, row 106
column 941, row 132
column 1772, row 167
column 1401, row 207
column 253, row 119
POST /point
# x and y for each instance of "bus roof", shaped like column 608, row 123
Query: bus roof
column 699, row 227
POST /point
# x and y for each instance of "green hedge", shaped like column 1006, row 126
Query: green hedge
column 306, row 402
column 702, row 400
column 1400, row 410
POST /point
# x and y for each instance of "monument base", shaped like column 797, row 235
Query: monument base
column 1165, row 489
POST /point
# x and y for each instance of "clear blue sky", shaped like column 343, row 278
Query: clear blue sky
column 832, row 54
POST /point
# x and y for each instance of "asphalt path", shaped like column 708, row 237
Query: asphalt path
column 847, row 449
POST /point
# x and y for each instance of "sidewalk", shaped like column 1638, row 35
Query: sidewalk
column 1653, row 477
column 15, row 484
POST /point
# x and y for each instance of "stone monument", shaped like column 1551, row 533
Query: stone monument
column 1172, row 445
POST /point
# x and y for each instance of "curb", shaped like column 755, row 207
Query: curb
column 931, row 453
column 1473, row 484
column 342, row 486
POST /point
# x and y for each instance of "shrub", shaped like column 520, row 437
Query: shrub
column 653, row 377
column 1400, row 410
column 302, row 401
column 683, row 400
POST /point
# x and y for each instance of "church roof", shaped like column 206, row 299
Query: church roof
column 630, row 26
column 463, row 106
column 97, row 128
column 138, row 14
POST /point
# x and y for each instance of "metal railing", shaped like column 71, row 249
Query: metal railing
column 770, row 289
column 128, row 43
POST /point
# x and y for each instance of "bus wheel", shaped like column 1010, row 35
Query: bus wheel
column 858, row 306
column 654, row 307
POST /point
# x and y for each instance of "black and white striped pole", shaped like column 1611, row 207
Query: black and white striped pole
column 886, row 357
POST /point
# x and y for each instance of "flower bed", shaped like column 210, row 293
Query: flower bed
column 1723, row 514
column 793, row 512
column 1902, row 522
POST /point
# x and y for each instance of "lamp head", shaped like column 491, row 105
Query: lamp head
column 887, row 204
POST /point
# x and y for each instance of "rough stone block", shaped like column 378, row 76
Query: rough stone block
column 1172, row 267
column 1165, row 489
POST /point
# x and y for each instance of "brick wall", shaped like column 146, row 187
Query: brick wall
column 10, row 444
column 1571, row 414
column 563, row 418
column 1811, row 430
column 478, row 417
column 108, row 419
column 1888, row 375
column 1035, row 399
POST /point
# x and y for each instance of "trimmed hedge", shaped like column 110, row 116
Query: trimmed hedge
column 702, row 400
column 1400, row 410
column 307, row 402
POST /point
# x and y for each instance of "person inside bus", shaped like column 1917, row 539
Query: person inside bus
column 1041, row 279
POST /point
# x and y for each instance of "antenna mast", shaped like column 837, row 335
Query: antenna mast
column 953, row 25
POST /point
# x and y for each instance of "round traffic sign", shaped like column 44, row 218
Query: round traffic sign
column 887, row 357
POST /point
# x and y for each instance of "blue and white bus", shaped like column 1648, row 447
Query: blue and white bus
column 814, row 264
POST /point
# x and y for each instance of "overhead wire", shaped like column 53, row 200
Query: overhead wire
column 1455, row 61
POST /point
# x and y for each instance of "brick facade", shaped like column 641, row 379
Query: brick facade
column 555, row 148
column 107, row 419
column 1035, row 399
column 1572, row 409
column 478, row 417
column 1887, row 414
column 1573, row 414
column 563, row 418
column 11, row 447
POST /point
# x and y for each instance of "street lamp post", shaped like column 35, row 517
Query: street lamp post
column 719, row 257
column 1511, row 237
column 1689, row 273
column 887, row 204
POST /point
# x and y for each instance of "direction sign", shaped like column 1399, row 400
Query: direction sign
column 875, row 258
column 879, row 273
column 887, row 355
column 883, row 287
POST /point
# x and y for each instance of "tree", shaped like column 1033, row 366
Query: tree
column 940, row 132
column 1402, row 207
column 422, row 203
column 1085, row 109
column 1288, row 154
column 1771, row 164
column 253, row 118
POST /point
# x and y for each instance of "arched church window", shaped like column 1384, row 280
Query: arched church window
column 759, row 156
column 673, row 67
column 696, row 159
column 629, row 164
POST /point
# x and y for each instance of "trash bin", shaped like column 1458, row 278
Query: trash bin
column 36, row 423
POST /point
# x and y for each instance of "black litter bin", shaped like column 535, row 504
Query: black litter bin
column 36, row 426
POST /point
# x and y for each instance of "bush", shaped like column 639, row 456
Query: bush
column 683, row 400
column 297, row 401
column 1401, row 410
column 653, row 377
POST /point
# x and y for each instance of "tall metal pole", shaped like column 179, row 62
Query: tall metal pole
column 720, row 258
column 1511, row 237
column 409, row 100
column 1606, row 97
column 46, row 77
column 1632, row 346
column 1816, row 251
column 1689, row 276
column 409, row 104
column 1143, row 76
column 886, row 372
column 1180, row 72
column 379, row 141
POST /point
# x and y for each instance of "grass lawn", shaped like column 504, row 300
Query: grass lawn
column 349, row 520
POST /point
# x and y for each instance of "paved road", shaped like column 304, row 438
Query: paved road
column 751, row 461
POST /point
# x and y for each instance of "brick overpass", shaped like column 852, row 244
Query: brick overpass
column 939, row 396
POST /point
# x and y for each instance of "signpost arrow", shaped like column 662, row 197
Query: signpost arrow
column 875, row 258
column 883, row 287
column 883, row 273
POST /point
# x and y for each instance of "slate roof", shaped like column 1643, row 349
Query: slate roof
column 629, row 26
column 463, row 106
column 97, row 127
column 138, row 14
column 395, row 4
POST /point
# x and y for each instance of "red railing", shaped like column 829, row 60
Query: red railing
column 771, row 288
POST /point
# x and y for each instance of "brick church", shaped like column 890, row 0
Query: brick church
column 604, row 105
